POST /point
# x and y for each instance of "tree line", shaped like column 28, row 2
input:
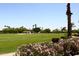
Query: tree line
column 35, row 29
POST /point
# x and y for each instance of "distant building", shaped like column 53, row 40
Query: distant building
column 27, row 32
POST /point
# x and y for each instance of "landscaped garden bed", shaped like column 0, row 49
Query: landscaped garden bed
column 66, row 47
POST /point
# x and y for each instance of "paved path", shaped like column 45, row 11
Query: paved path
column 8, row 54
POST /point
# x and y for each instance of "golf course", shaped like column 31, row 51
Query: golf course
column 10, row 42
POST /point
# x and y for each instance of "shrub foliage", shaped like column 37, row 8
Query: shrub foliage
column 61, row 48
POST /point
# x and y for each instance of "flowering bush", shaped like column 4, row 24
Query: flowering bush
column 61, row 48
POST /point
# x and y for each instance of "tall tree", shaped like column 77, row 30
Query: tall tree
column 36, row 30
column 35, row 25
column 68, row 13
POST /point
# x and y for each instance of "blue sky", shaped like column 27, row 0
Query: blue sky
column 46, row 15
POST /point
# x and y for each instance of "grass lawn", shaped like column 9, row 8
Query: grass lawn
column 10, row 42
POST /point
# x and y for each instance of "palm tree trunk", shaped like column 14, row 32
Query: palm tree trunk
column 68, row 13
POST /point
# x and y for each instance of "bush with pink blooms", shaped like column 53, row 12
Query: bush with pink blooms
column 66, row 47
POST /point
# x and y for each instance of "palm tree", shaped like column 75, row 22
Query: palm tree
column 68, row 13
column 35, row 25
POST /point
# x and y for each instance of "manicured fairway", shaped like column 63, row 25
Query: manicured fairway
column 10, row 42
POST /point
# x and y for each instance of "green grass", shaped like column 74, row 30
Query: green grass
column 10, row 42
